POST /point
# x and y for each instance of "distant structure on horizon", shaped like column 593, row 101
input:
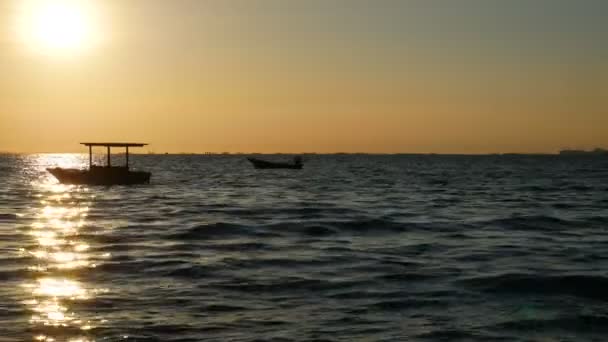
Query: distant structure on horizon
column 596, row 152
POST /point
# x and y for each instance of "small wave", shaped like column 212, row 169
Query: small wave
column 585, row 286
column 314, row 229
column 298, row 211
column 164, row 329
column 537, row 188
column 597, row 221
column 308, row 229
column 580, row 188
column 413, row 250
column 318, row 230
column 450, row 335
column 367, row 226
column 564, row 205
column 13, row 274
column 131, row 265
column 222, row 308
column 284, row 285
column 541, row 222
column 359, row 294
column 8, row 217
column 406, row 277
column 113, row 241
column 401, row 304
column 210, row 231
column 240, row 247
column 191, row 272
column 595, row 323
column 287, row 263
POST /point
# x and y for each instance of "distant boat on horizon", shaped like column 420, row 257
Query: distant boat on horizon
column 595, row 152
column 264, row 164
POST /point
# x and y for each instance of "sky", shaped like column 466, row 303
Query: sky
column 382, row 76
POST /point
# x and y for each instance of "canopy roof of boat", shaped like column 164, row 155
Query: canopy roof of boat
column 113, row 144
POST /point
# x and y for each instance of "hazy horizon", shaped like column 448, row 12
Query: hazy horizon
column 117, row 151
column 412, row 76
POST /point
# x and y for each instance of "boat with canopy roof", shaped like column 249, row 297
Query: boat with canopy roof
column 103, row 175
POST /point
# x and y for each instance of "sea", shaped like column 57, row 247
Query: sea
column 350, row 248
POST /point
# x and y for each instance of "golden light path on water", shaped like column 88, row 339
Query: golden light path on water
column 61, row 257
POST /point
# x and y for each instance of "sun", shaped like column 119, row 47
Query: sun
column 57, row 26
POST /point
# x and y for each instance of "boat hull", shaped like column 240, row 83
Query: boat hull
column 263, row 164
column 100, row 176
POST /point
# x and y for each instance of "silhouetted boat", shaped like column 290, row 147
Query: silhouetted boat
column 595, row 152
column 103, row 175
column 264, row 164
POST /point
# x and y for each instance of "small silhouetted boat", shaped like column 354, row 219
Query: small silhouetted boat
column 264, row 164
column 595, row 152
column 103, row 175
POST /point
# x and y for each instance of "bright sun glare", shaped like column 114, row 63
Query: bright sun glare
column 57, row 26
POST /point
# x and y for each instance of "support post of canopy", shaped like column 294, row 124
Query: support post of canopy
column 109, row 162
column 90, row 156
column 127, row 155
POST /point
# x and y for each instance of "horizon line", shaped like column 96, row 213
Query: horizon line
column 304, row 153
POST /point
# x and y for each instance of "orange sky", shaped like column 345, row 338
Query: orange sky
column 315, row 76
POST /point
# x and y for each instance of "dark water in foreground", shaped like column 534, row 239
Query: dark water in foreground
column 352, row 248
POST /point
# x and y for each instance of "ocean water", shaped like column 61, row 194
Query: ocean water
column 351, row 248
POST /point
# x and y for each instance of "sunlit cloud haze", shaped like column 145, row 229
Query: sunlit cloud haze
column 466, row 76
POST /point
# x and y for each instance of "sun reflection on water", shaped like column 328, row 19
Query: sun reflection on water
column 61, row 257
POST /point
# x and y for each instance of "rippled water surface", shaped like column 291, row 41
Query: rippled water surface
column 351, row 248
